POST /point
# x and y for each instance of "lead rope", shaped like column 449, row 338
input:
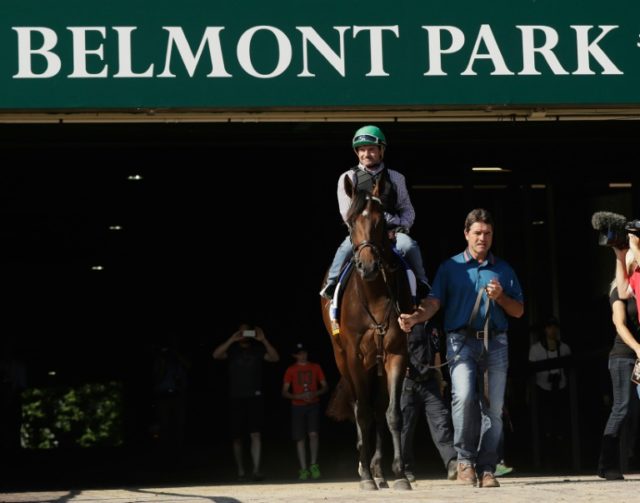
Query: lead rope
column 474, row 313
column 486, row 350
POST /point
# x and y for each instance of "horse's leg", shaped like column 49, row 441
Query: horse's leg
column 359, row 442
column 395, row 370
column 376, row 461
column 364, row 421
column 380, row 404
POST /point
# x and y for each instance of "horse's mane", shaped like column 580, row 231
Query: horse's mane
column 358, row 204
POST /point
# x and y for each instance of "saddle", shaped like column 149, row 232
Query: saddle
column 347, row 270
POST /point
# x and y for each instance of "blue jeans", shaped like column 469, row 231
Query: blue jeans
column 620, row 370
column 343, row 253
column 477, row 428
column 407, row 247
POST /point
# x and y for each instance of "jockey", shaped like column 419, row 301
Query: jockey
column 369, row 144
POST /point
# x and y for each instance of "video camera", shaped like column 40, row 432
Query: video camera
column 613, row 229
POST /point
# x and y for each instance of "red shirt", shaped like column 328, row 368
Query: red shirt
column 634, row 281
column 304, row 377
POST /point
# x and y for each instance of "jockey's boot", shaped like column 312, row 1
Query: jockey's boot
column 328, row 290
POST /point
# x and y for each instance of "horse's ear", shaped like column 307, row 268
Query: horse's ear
column 348, row 186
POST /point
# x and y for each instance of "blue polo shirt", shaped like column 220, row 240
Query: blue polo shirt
column 457, row 283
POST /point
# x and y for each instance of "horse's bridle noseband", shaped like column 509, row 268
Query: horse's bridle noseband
column 368, row 244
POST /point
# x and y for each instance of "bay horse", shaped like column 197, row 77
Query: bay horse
column 370, row 349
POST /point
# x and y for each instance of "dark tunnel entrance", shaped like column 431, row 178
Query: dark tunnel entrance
column 229, row 220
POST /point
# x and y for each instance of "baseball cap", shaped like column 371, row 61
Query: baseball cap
column 298, row 347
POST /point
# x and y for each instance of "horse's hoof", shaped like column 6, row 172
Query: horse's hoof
column 368, row 485
column 402, row 485
column 381, row 483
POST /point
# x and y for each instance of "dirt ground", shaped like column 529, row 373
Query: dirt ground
column 520, row 489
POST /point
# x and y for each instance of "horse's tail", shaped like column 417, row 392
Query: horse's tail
column 341, row 403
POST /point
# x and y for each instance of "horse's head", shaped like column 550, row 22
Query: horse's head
column 368, row 230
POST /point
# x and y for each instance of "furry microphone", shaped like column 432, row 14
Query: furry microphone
column 605, row 220
column 612, row 229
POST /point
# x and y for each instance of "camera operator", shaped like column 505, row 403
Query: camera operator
column 625, row 350
column 621, row 235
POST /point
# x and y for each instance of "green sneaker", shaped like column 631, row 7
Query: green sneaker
column 304, row 474
column 502, row 469
column 315, row 471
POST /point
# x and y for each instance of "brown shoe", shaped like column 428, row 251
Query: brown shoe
column 489, row 480
column 467, row 474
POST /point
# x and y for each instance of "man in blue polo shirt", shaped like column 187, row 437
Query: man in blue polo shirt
column 475, row 277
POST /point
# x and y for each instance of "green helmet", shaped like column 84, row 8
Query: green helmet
column 369, row 135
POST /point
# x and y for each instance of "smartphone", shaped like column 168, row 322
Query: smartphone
column 248, row 333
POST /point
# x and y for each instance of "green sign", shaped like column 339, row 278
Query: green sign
column 297, row 55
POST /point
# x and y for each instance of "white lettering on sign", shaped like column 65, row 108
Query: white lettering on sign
column 285, row 52
column 450, row 41
column 26, row 52
column 529, row 50
column 80, row 52
column 210, row 39
column 310, row 36
column 125, row 68
column 435, row 46
column 375, row 38
column 485, row 35
column 587, row 49
column 447, row 52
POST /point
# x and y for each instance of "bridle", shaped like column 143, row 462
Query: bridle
column 357, row 249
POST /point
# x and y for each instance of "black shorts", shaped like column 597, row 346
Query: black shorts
column 304, row 419
column 247, row 415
